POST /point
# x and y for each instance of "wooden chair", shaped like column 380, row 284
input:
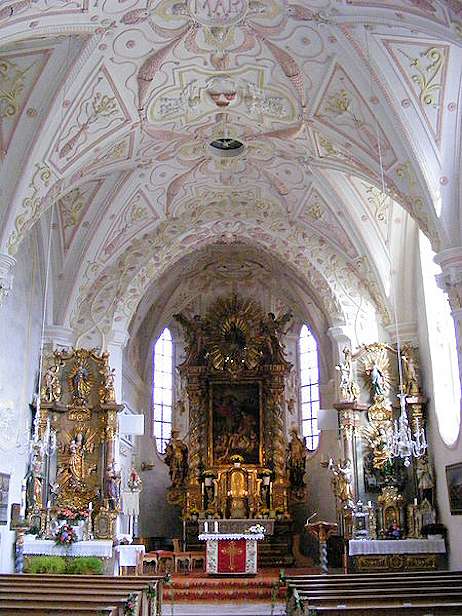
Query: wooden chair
column 180, row 556
column 151, row 558
column 197, row 557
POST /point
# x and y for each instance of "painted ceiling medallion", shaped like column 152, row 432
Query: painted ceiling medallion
column 218, row 13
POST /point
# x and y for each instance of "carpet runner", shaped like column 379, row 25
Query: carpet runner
column 198, row 587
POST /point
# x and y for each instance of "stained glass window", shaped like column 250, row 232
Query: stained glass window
column 309, row 387
column 162, row 396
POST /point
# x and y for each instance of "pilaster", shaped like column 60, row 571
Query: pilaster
column 7, row 265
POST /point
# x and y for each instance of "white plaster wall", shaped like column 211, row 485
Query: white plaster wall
column 20, row 324
column 441, row 454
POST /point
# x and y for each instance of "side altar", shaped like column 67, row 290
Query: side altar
column 237, row 464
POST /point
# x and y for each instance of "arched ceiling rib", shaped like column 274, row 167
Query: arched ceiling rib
column 323, row 94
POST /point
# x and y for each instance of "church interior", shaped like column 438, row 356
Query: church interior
column 231, row 305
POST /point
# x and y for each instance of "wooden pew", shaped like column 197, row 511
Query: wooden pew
column 75, row 593
column 376, row 594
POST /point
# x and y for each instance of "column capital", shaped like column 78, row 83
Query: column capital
column 450, row 279
column 407, row 332
column 339, row 334
column 7, row 265
column 58, row 336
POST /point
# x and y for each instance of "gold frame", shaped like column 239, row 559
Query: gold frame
column 243, row 381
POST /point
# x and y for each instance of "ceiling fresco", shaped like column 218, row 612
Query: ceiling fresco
column 155, row 128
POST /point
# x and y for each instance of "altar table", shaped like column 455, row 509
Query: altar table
column 231, row 553
column 395, row 554
column 47, row 547
column 128, row 556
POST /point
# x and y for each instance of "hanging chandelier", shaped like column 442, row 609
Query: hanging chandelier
column 401, row 441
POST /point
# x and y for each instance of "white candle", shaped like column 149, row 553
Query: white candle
column 216, row 526
column 415, row 502
column 369, row 503
column 206, row 527
column 48, row 505
column 22, row 511
column 90, row 507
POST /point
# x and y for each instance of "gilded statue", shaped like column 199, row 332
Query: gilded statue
column 349, row 389
column 195, row 336
column 271, row 330
column 107, row 392
column 51, row 386
column 376, row 369
column 296, row 461
column 342, row 479
column 176, row 456
column 411, row 381
column 75, row 454
column 80, row 381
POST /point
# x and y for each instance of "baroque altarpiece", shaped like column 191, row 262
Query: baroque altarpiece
column 73, row 469
column 234, row 376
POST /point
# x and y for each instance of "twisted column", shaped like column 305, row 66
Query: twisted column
column 198, row 409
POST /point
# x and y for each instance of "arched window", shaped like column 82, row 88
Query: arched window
column 443, row 351
column 309, row 387
column 163, row 389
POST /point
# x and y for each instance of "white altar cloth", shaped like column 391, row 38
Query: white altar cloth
column 47, row 547
column 396, row 546
column 231, row 536
column 127, row 556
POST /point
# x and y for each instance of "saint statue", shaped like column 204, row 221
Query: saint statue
column 411, row 382
column 424, row 473
column 342, row 481
column 296, row 459
column 377, row 381
column 80, row 380
column 51, row 387
column 107, row 392
column 79, row 447
column 134, row 482
column 349, row 389
column 176, row 456
column 113, row 480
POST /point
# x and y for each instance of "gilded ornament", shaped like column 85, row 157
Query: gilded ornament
column 51, row 386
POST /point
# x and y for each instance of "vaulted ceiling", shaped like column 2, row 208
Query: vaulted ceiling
column 108, row 113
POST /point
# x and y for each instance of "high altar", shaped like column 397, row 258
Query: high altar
column 234, row 373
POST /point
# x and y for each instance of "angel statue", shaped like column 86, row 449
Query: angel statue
column 349, row 389
column 342, row 479
column 271, row 330
column 195, row 336
column 51, row 388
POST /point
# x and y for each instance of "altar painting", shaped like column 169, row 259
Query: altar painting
column 235, row 422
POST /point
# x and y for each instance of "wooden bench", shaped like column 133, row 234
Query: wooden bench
column 34, row 593
column 427, row 594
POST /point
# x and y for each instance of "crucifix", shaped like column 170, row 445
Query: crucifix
column 231, row 550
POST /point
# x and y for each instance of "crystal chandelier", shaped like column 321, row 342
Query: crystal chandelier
column 401, row 442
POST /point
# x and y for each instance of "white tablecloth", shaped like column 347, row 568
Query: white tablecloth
column 131, row 503
column 126, row 555
column 47, row 547
column 396, row 546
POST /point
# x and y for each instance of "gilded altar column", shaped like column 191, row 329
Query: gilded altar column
column 198, row 412
column 450, row 281
column 275, row 442
column 349, row 414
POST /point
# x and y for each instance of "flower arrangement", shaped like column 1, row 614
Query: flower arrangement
column 72, row 515
column 130, row 605
column 65, row 535
column 256, row 529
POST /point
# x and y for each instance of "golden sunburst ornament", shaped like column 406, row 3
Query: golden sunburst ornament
column 234, row 343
